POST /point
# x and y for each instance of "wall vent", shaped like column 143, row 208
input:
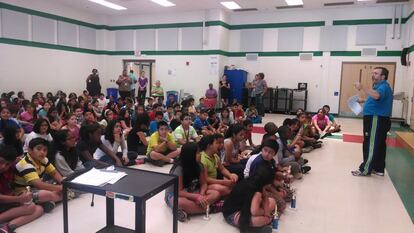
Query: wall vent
column 252, row 56
column 306, row 56
column 369, row 52
column 338, row 3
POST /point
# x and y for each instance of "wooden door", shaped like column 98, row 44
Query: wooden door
column 359, row 72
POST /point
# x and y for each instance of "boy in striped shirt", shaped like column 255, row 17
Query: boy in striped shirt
column 30, row 171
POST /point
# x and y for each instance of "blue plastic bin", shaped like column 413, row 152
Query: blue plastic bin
column 174, row 93
column 112, row 92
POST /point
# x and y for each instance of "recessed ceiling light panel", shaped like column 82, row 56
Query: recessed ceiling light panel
column 294, row 2
column 231, row 5
column 109, row 4
column 164, row 3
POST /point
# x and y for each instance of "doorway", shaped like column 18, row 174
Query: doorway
column 148, row 66
column 359, row 72
column 412, row 112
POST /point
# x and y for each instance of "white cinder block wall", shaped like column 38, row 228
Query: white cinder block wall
column 39, row 69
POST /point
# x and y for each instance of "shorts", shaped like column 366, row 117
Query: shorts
column 158, row 163
column 231, row 219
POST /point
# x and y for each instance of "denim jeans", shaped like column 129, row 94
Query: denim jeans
column 259, row 104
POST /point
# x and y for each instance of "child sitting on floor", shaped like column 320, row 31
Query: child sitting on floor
column 322, row 123
column 30, row 171
column 211, row 162
column 193, row 193
column 162, row 148
column 15, row 210
column 202, row 126
column 251, row 113
column 335, row 126
column 250, row 206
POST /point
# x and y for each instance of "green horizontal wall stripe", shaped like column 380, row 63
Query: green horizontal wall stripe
column 218, row 23
column 155, row 26
column 346, row 53
column 50, row 16
column 389, row 53
column 190, row 52
column 199, row 24
column 278, row 25
column 362, row 21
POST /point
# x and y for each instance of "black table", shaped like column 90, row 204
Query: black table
column 137, row 186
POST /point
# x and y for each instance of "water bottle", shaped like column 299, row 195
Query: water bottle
column 293, row 202
column 207, row 216
column 28, row 189
column 275, row 223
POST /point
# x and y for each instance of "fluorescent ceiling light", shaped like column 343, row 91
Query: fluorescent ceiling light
column 294, row 2
column 164, row 3
column 109, row 4
column 231, row 5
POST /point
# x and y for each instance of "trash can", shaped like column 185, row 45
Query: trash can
column 112, row 92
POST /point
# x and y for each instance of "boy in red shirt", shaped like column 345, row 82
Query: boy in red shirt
column 15, row 211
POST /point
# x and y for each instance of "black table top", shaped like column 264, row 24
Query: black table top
column 138, row 183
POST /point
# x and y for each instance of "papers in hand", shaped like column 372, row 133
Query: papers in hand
column 96, row 177
column 353, row 104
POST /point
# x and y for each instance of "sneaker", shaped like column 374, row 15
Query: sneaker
column 358, row 173
column 217, row 207
column 305, row 161
column 378, row 173
column 181, row 215
column 48, row 206
column 305, row 169
column 4, row 228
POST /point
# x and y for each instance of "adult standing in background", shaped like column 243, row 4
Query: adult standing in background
column 92, row 84
column 211, row 97
column 259, row 89
column 142, row 87
column 377, row 113
column 133, row 81
column 224, row 90
column 158, row 92
column 124, row 82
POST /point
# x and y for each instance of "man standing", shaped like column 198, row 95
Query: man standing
column 133, row 78
column 377, row 112
column 92, row 84
column 158, row 92
column 259, row 89
column 124, row 82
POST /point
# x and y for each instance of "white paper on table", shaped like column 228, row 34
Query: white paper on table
column 119, row 176
column 95, row 177
column 353, row 104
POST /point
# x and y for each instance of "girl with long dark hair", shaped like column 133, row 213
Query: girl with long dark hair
column 114, row 139
column 194, row 194
column 63, row 154
column 249, row 204
column 41, row 129
column 136, row 139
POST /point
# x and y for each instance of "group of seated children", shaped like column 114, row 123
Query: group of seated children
column 41, row 144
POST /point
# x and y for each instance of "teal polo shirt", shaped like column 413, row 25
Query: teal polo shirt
column 383, row 105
